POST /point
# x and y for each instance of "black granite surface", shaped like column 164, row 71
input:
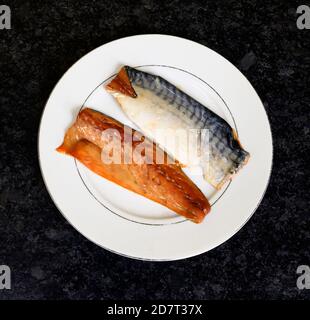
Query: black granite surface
column 48, row 258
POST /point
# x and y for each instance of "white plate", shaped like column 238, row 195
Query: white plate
column 119, row 220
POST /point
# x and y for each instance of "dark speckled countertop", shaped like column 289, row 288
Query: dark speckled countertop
column 48, row 258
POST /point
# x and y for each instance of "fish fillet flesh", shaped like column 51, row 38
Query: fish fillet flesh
column 157, row 106
column 164, row 183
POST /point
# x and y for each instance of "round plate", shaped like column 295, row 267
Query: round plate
column 124, row 222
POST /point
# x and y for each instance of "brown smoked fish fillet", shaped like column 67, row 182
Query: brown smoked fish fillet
column 164, row 183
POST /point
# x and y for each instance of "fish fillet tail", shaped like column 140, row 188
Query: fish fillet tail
column 61, row 148
column 122, row 84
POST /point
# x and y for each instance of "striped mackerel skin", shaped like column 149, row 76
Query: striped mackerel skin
column 156, row 104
